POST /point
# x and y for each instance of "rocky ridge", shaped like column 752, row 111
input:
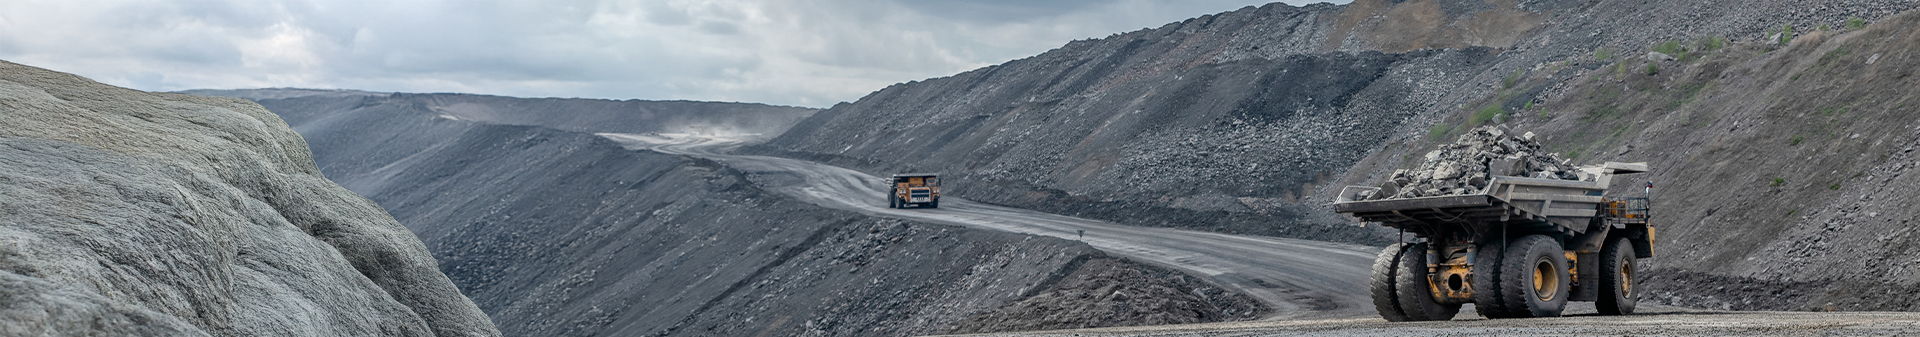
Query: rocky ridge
column 127, row 212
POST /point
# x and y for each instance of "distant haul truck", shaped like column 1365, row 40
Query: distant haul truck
column 1521, row 248
column 914, row 189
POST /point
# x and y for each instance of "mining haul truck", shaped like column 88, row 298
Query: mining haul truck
column 914, row 189
column 1522, row 247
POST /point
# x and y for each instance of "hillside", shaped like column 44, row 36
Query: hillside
column 1245, row 121
column 132, row 213
column 559, row 233
column 1783, row 172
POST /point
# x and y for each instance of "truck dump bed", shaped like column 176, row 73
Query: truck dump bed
column 1567, row 203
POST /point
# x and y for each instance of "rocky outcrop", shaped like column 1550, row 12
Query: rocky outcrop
column 127, row 212
column 1105, row 292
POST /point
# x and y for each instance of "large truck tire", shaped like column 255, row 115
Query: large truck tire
column 1617, row 296
column 1385, row 300
column 1416, row 296
column 1486, row 281
column 935, row 203
column 1533, row 277
column 893, row 201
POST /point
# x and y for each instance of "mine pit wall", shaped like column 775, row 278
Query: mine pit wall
column 1208, row 123
column 1784, row 174
column 558, row 233
column 1188, row 125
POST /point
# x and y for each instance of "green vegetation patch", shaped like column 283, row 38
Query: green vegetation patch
column 1786, row 34
column 1710, row 43
column 1835, row 110
column 1856, row 23
column 1438, row 132
column 1685, row 93
column 1484, row 115
column 1669, row 48
column 1835, row 55
column 1777, row 182
column 1603, row 54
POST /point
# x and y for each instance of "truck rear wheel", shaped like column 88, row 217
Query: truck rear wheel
column 893, row 201
column 1617, row 296
column 1533, row 277
column 1486, row 281
column 1416, row 296
column 1385, row 300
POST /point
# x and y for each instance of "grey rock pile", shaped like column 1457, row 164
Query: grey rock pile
column 1467, row 165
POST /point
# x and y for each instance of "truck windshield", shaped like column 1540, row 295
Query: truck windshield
column 917, row 181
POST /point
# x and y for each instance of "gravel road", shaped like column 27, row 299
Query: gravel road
column 1300, row 279
column 1686, row 323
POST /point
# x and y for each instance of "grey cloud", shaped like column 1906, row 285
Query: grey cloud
column 795, row 52
column 719, row 28
column 999, row 11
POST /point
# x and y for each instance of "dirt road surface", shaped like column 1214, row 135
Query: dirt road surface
column 1301, row 279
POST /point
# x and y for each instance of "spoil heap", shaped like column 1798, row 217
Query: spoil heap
column 1465, row 166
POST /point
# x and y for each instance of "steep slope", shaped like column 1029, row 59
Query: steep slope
column 1245, row 121
column 567, row 233
column 126, row 212
column 570, row 114
column 1783, row 173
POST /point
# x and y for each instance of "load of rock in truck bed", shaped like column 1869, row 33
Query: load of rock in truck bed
column 1470, row 162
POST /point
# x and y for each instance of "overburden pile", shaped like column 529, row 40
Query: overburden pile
column 1470, row 162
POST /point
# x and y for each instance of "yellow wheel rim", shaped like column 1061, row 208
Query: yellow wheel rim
column 1546, row 280
column 1626, row 278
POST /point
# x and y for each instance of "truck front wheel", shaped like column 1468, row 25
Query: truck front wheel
column 1533, row 277
column 1617, row 296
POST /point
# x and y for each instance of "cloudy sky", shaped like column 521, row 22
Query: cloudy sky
column 790, row 52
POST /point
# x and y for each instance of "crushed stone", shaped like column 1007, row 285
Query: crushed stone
column 1466, row 166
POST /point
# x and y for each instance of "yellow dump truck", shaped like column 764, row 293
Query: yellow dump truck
column 914, row 189
column 1522, row 247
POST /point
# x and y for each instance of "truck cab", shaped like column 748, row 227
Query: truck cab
column 913, row 189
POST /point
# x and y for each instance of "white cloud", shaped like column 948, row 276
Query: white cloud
column 794, row 52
